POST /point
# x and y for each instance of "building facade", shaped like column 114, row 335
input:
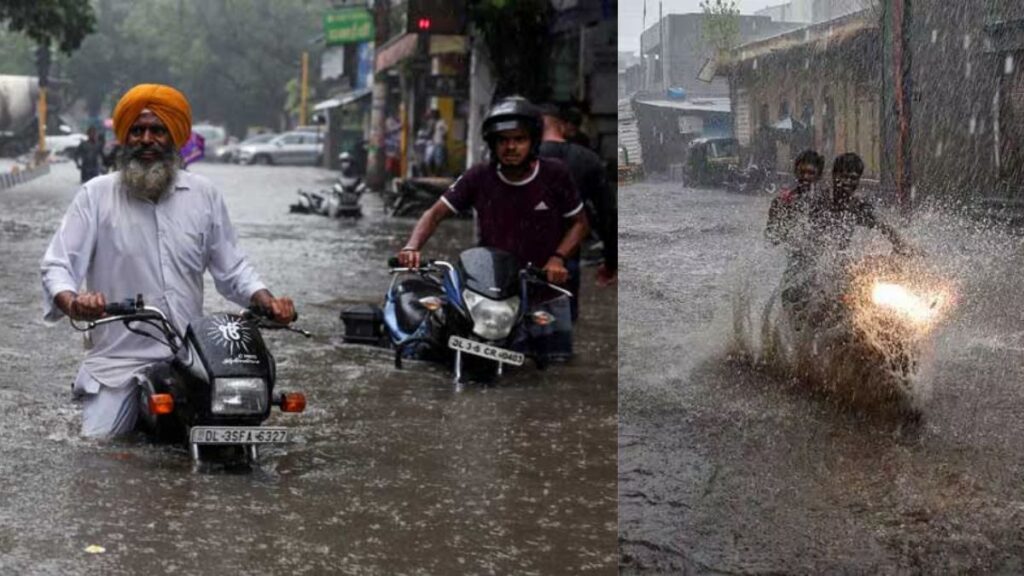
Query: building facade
column 817, row 87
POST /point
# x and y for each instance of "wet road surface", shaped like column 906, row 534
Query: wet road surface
column 392, row 472
column 725, row 469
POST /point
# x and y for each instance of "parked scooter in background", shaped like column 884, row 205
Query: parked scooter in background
column 342, row 200
column 411, row 197
column 753, row 179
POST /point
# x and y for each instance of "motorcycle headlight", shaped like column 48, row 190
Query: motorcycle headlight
column 492, row 319
column 239, row 396
column 915, row 307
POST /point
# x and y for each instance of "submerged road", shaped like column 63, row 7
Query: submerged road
column 724, row 469
column 393, row 471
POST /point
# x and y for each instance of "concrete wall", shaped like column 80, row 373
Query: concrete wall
column 839, row 101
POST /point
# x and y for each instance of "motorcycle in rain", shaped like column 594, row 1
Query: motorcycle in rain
column 342, row 200
column 862, row 337
column 411, row 197
column 217, row 389
column 469, row 314
column 753, row 179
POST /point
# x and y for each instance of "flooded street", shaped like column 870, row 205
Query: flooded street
column 727, row 469
column 393, row 472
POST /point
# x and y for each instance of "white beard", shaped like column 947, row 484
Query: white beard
column 149, row 182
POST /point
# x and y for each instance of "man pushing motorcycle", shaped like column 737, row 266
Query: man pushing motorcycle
column 816, row 223
column 526, row 205
column 148, row 229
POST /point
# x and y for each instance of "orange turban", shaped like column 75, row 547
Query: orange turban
column 169, row 105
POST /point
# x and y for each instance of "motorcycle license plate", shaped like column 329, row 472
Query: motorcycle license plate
column 486, row 351
column 238, row 435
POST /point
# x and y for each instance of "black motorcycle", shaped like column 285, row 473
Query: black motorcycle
column 753, row 179
column 411, row 197
column 472, row 314
column 218, row 387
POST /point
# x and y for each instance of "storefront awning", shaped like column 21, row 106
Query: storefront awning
column 343, row 99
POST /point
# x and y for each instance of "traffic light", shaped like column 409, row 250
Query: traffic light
column 436, row 17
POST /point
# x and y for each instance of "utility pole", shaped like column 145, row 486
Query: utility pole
column 43, row 68
column 900, row 126
column 304, row 89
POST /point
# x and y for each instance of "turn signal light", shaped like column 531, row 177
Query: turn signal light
column 541, row 318
column 293, row 402
column 431, row 303
column 161, row 404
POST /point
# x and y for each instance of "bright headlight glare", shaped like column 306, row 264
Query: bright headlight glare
column 492, row 319
column 239, row 396
column 906, row 302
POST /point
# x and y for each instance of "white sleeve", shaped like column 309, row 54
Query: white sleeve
column 233, row 275
column 67, row 258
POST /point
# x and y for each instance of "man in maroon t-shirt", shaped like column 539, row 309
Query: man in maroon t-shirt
column 525, row 205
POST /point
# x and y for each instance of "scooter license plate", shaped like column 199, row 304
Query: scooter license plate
column 238, row 435
column 486, row 351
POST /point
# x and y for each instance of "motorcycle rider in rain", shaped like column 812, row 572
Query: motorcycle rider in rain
column 149, row 228
column 526, row 205
column 816, row 225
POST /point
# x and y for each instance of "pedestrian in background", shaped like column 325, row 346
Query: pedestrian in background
column 438, row 156
column 588, row 173
column 573, row 122
column 89, row 156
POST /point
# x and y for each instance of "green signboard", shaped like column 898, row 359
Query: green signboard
column 348, row 26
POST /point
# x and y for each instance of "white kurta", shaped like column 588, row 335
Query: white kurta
column 121, row 246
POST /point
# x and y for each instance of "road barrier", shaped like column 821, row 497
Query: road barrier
column 14, row 178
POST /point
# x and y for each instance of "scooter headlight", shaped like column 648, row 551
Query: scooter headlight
column 241, row 396
column 492, row 319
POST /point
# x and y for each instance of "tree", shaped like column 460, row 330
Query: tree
column 64, row 23
column 721, row 26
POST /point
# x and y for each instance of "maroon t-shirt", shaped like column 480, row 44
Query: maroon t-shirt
column 527, row 219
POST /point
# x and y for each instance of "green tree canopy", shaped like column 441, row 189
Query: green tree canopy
column 63, row 23
column 231, row 58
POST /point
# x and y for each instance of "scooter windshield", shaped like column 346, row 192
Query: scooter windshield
column 490, row 272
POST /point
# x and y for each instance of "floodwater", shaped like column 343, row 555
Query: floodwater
column 725, row 468
column 393, row 471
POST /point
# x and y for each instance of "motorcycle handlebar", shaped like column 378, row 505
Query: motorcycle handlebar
column 262, row 313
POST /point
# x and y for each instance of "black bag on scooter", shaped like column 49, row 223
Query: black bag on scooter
column 364, row 324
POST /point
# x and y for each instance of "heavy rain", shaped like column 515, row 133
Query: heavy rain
column 820, row 367
column 328, row 129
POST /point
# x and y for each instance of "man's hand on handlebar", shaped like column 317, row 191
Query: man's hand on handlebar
column 280, row 310
column 409, row 258
column 556, row 271
column 84, row 306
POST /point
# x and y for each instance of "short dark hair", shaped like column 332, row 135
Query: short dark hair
column 809, row 157
column 849, row 162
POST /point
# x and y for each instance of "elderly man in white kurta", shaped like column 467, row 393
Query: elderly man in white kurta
column 147, row 229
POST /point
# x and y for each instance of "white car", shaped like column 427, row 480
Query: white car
column 287, row 148
column 64, row 144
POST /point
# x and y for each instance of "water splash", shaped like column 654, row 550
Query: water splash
column 882, row 356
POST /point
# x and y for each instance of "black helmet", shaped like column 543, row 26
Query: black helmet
column 508, row 114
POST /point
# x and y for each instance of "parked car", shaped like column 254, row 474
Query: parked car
column 287, row 148
column 64, row 144
column 230, row 152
